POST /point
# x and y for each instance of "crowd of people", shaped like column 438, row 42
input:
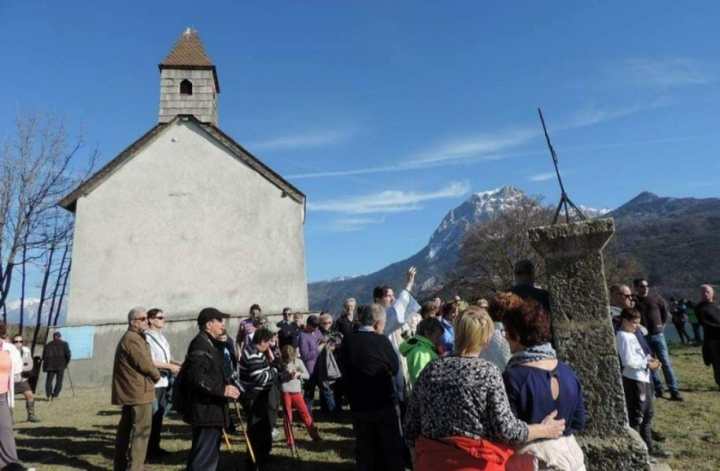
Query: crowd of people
column 442, row 385
column 438, row 385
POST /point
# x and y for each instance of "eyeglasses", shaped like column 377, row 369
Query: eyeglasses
column 627, row 296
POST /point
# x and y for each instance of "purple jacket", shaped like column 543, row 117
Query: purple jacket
column 309, row 351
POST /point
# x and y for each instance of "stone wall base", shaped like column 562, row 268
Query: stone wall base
column 624, row 451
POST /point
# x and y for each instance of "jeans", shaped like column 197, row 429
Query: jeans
column 660, row 349
column 49, row 376
column 682, row 333
column 159, row 407
column 327, row 398
column 697, row 332
column 205, row 450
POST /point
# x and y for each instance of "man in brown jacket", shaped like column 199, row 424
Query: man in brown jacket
column 133, row 388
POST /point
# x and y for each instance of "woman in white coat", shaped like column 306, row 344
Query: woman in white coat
column 10, row 364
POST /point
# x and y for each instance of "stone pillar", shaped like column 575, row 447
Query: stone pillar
column 584, row 338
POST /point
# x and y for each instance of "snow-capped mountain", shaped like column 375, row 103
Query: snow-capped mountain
column 30, row 311
column 480, row 207
column 434, row 261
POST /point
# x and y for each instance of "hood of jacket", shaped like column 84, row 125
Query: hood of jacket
column 418, row 341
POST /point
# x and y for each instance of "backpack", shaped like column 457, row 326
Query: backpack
column 327, row 367
column 181, row 393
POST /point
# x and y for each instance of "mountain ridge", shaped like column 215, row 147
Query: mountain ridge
column 659, row 230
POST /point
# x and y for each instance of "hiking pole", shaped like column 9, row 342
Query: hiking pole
column 72, row 388
column 244, row 430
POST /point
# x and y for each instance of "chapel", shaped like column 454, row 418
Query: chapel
column 185, row 217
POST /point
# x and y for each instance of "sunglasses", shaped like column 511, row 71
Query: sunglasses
column 159, row 317
column 140, row 319
column 17, row 341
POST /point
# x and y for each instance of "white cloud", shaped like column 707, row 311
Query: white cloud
column 353, row 224
column 666, row 72
column 487, row 146
column 389, row 201
column 302, row 141
column 542, row 177
column 482, row 145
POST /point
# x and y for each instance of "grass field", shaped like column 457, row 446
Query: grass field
column 79, row 432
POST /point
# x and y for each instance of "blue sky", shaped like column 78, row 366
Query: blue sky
column 388, row 114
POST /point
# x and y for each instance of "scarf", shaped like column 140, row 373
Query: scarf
column 543, row 351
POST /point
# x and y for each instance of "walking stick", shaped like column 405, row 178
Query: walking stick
column 244, row 430
column 227, row 439
column 290, row 436
column 72, row 388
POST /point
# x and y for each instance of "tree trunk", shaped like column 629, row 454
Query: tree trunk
column 43, row 290
column 62, row 294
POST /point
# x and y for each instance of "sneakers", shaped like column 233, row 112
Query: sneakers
column 675, row 396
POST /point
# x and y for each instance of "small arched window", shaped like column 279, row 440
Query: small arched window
column 186, row 87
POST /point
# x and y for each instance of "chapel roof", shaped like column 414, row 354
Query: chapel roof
column 235, row 149
column 188, row 51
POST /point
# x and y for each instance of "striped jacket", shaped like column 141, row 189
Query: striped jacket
column 256, row 374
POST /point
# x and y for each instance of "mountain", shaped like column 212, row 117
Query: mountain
column 434, row 261
column 676, row 240
column 30, row 312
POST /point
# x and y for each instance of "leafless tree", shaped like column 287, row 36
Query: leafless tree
column 491, row 249
column 38, row 165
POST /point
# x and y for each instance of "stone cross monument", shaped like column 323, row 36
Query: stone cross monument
column 583, row 337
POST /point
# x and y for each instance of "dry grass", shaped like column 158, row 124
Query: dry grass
column 692, row 427
column 79, row 432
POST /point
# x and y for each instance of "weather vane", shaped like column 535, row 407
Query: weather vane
column 564, row 198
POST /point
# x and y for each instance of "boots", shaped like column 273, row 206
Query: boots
column 313, row 431
column 30, row 406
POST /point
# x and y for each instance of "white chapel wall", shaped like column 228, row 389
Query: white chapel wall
column 184, row 225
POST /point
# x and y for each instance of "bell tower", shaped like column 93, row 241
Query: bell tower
column 188, row 81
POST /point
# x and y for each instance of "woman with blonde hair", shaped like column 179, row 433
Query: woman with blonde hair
column 292, row 391
column 458, row 416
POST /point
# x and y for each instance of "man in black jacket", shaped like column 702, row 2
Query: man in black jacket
column 258, row 377
column 56, row 356
column 208, row 390
column 654, row 316
column 370, row 366
column 708, row 314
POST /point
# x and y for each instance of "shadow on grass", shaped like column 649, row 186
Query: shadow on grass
column 63, row 445
column 107, row 413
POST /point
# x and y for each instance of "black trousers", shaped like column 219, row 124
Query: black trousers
column 205, row 450
column 639, row 401
column 259, row 427
column 712, row 350
column 378, row 441
column 159, row 408
column 682, row 333
column 58, row 377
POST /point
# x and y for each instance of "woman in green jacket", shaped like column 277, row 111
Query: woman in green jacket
column 421, row 349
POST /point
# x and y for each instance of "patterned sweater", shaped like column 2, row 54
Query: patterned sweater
column 457, row 396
